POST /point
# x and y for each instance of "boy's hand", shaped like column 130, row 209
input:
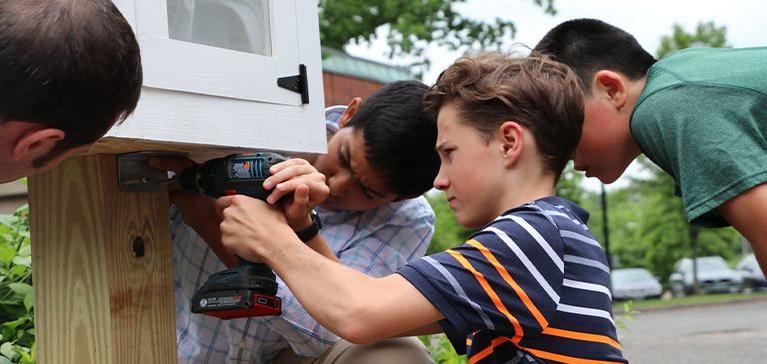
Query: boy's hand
column 251, row 228
column 307, row 186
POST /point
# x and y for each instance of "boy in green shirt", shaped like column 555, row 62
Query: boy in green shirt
column 699, row 114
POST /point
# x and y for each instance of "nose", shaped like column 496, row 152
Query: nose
column 338, row 183
column 441, row 182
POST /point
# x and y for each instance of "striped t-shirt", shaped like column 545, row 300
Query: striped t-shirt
column 533, row 286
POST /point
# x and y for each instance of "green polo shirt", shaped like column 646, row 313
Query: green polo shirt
column 701, row 117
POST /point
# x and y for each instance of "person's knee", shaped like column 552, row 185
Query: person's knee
column 397, row 350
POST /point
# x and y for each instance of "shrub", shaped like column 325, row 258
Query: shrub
column 17, row 331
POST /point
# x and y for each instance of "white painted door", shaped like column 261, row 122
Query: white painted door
column 230, row 48
column 210, row 76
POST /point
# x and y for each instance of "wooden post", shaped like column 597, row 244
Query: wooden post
column 101, row 267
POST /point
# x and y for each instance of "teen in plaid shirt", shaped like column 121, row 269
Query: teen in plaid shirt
column 379, row 162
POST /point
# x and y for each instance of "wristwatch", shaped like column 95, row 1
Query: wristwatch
column 309, row 233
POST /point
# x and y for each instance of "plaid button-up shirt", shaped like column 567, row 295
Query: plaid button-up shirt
column 375, row 242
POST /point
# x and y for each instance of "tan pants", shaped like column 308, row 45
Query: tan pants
column 403, row 350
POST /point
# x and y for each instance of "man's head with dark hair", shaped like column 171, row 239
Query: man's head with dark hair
column 590, row 45
column 69, row 70
column 612, row 68
column 384, row 150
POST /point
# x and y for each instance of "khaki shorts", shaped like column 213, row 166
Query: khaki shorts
column 403, row 350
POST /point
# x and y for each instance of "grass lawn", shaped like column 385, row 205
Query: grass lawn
column 619, row 307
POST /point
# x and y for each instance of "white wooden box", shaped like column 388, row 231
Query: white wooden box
column 210, row 78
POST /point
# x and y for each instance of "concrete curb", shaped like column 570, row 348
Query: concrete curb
column 758, row 297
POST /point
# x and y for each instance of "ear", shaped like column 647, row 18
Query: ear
column 512, row 138
column 351, row 109
column 611, row 85
column 36, row 143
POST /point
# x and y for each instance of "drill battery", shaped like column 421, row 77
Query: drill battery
column 245, row 291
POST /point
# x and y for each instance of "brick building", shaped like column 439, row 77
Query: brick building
column 343, row 76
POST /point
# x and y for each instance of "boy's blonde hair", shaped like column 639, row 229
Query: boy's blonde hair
column 536, row 92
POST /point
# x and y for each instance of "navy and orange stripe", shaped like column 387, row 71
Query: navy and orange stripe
column 536, row 313
column 518, row 332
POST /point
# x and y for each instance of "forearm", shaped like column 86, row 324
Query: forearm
column 747, row 213
column 357, row 307
column 329, row 291
column 318, row 244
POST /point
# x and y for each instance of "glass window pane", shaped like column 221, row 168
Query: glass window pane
column 241, row 25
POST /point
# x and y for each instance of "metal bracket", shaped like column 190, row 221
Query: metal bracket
column 296, row 83
column 135, row 175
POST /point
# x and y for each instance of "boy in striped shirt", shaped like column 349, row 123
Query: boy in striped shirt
column 532, row 286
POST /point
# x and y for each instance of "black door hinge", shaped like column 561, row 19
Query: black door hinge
column 296, row 83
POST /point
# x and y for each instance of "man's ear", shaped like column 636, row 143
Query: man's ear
column 612, row 86
column 512, row 138
column 351, row 109
column 36, row 142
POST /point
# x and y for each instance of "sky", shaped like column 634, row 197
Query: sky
column 647, row 20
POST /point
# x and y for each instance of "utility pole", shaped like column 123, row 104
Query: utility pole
column 605, row 227
column 693, row 233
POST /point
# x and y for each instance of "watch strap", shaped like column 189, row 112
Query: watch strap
column 310, row 232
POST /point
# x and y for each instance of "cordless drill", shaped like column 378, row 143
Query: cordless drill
column 250, row 288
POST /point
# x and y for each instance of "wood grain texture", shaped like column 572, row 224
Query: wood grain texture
column 102, row 267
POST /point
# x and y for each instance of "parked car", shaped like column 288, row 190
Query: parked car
column 714, row 275
column 749, row 269
column 635, row 284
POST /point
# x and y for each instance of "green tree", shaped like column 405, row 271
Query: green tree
column 664, row 226
column 648, row 227
column 570, row 186
column 447, row 232
column 412, row 25
column 706, row 35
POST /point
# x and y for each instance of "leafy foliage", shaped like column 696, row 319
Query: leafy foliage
column 447, row 232
column 706, row 35
column 441, row 350
column 17, row 333
column 648, row 227
column 412, row 25
column 569, row 185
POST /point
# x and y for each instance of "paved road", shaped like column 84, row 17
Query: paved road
column 722, row 333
